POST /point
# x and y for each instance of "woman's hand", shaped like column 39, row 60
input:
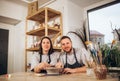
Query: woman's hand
column 41, row 66
column 59, row 65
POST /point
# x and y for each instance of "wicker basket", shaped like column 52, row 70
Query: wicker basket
column 100, row 72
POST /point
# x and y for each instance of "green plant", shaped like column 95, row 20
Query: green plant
column 111, row 56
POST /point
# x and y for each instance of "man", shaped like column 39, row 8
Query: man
column 73, row 60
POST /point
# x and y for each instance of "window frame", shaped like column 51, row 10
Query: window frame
column 97, row 8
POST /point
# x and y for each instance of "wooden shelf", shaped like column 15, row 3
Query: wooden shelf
column 43, row 16
column 33, row 49
column 40, row 15
column 37, row 49
column 41, row 31
column 57, row 48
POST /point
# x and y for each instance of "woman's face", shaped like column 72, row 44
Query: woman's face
column 45, row 44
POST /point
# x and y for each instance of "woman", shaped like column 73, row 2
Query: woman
column 46, row 57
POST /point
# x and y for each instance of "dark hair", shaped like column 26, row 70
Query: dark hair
column 51, row 46
column 64, row 37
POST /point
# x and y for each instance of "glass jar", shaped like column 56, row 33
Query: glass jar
column 89, row 72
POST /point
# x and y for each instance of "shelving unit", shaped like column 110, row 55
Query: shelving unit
column 37, row 48
column 43, row 16
column 41, row 31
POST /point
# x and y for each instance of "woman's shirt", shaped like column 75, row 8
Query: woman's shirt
column 45, row 58
column 82, row 56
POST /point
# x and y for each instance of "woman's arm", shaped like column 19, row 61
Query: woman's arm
column 35, row 65
column 60, row 63
column 41, row 66
column 34, row 61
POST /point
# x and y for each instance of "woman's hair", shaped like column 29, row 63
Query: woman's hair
column 51, row 46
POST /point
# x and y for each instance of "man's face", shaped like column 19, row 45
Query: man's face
column 66, row 45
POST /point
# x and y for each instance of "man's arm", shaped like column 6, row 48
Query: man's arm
column 76, row 70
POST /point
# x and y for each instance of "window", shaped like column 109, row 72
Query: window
column 103, row 20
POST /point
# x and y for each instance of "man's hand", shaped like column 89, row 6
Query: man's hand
column 69, row 71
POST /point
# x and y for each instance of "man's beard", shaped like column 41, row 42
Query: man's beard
column 68, row 51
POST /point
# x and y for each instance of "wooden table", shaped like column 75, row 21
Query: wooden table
column 29, row 76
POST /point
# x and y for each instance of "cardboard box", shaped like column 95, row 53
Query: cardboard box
column 32, row 7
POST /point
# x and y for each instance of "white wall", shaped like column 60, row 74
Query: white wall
column 12, row 10
column 16, row 50
column 19, row 48
column 72, row 14
column 74, row 22
column 61, row 5
column 72, row 17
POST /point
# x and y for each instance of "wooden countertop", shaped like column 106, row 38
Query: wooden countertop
column 29, row 76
